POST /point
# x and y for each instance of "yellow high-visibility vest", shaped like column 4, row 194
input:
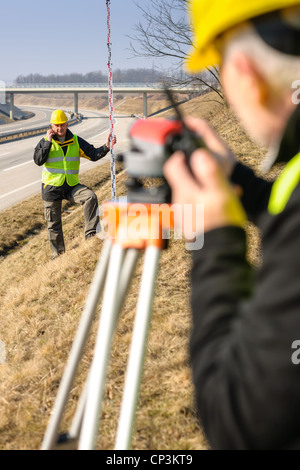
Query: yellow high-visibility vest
column 60, row 167
column 284, row 186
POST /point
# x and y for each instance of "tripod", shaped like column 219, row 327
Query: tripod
column 112, row 276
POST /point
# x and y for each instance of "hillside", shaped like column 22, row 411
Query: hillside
column 42, row 301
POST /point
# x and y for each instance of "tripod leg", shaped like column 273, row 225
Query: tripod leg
column 50, row 438
column 126, row 274
column 96, row 381
column 137, row 350
column 124, row 281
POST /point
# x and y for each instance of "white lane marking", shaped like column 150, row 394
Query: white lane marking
column 105, row 130
column 38, row 181
column 20, row 189
column 26, row 163
column 93, row 137
column 6, row 153
column 16, row 166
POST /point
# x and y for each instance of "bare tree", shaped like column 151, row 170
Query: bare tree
column 165, row 32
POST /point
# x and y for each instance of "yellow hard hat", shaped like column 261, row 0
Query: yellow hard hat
column 58, row 117
column 210, row 18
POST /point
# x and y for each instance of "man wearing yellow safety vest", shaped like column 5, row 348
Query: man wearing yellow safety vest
column 60, row 152
column 245, row 342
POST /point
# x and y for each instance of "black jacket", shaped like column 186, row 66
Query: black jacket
column 86, row 150
column 245, row 322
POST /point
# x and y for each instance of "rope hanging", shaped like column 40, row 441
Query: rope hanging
column 111, row 109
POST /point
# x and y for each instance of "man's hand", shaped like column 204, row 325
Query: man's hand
column 114, row 141
column 215, row 144
column 50, row 134
column 207, row 185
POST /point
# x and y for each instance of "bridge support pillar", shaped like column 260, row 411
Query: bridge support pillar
column 145, row 111
column 76, row 103
column 11, row 102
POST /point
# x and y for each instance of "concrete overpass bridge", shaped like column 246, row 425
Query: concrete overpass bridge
column 77, row 88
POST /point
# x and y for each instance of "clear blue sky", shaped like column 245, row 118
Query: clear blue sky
column 38, row 36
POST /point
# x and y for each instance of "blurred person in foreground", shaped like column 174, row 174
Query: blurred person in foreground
column 246, row 322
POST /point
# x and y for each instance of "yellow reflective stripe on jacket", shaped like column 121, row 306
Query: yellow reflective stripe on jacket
column 60, row 167
column 55, row 159
column 284, row 186
column 72, row 159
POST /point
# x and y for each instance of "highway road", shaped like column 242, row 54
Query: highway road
column 21, row 177
column 41, row 117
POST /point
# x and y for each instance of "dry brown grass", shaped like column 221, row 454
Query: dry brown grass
column 42, row 301
column 40, row 310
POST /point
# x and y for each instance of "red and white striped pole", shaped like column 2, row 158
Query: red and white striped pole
column 111, row 108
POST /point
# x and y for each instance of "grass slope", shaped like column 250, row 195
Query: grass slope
column 42, row 302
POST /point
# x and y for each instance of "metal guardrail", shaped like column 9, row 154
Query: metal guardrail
column 97, row 88
column 22, row 133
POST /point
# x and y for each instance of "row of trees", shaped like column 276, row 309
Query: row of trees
column 141, row 75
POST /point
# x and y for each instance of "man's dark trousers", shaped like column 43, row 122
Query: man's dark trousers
column 79, row 194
